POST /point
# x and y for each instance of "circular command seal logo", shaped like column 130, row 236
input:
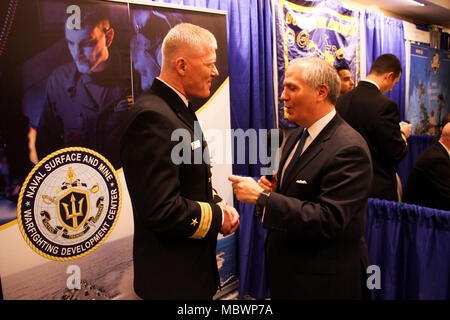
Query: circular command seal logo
column 69, row 204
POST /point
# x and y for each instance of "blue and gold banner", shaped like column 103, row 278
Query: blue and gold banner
column 320, row 28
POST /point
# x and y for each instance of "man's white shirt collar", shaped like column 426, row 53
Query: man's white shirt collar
column 372, row 82
column 185, row 100
column 318, row 126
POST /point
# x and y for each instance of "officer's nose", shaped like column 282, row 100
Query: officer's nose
column 214, row 71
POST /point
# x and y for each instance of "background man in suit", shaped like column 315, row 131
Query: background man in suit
column 346, row 77
column 428, row 182
column 376, row 118
column 315, row 208
column 177, row 218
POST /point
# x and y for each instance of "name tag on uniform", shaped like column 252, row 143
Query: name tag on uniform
column 196, row 144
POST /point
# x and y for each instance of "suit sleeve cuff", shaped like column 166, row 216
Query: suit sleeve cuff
column 271, row 219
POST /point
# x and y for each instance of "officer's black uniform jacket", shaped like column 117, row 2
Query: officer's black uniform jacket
column 176, row 222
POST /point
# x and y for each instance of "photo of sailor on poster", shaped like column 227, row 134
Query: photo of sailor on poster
column 86, row 98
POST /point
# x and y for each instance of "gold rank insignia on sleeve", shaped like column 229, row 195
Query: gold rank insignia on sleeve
column 205, row 221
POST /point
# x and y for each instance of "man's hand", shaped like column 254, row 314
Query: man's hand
column 406, row 129
column 245, row 188
column 267, row 185
column 230, row 219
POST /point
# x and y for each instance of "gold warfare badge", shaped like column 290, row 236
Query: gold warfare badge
column 69, row 204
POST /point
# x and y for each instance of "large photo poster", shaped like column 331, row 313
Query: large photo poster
column 324, row 29
column 65, row 214
column 429, row 93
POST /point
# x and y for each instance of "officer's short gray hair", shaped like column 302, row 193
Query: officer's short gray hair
column 187, row 36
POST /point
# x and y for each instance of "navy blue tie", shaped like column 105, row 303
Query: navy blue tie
column 297, row 154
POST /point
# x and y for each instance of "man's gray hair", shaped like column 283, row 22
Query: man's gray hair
column 187, row 36
column 318, row 72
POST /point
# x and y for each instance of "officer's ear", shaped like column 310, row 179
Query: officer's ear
column 180, row 65
column 109, row 35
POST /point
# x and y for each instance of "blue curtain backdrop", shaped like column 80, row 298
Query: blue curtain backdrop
column 250, row 52
column 411, row 245
column 386, row 35
column 252, row 265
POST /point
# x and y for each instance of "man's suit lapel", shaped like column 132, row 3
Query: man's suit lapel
column 313, row 150
column 175, row 102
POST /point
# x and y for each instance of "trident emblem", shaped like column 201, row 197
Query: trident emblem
column 73, row 209
column 73, row 206
column 74, row 213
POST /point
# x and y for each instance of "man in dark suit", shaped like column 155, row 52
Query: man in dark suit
column 315, row 208
column 428, row 182
column 177, row 217
column 376, row 118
